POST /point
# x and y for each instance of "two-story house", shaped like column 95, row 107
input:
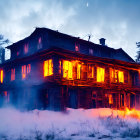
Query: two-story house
column 52, row 70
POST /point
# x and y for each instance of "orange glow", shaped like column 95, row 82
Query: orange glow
column 90, row 71
column 67, row 69
column 121, row 76
column 105, row 112
column 60, row 67
column 110, row 99
column 48, row 68
column 100, row 74
column 78, row 71
column 116, row 76
column 1, row 76
column 26, row 46
column 12, row 74
column 24, row 72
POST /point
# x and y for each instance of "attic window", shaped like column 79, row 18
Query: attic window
column 77, row 47
column 91, row 51
column 39, row 46
column 26, row 47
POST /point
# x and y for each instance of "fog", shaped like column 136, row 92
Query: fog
column 72, row 124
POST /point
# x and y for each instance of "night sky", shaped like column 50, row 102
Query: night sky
column 118, row 21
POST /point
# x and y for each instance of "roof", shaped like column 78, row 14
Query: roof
column 73, row 55
column 116, row 52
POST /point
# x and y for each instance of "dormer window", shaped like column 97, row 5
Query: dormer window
column 77, row 47
column 26, row 47
column 39, row 46
column 91, row 51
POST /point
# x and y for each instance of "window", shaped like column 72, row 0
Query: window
column 78, row 71
column 26, row 46
column 39, row 46
column 67, row 69
column 26, row 70
column 6, row 95
column 48, row 68
column 116, row 76
column 77, row 47
column 1, row 76
column 90, row 71
column 121, row 76
column 100, row 74
column 91, row 51
column 110, row 99
column 12, row 74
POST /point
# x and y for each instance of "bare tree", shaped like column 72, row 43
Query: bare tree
column 3, row 42
column 138, row 52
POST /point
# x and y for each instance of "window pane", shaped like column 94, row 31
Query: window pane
column 67, row 69
column 121, row 76
column 1, row 76
column 100, row 74
column 12, row 74
column 48, row 67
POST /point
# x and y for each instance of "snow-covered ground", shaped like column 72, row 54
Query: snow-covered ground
column 73, row 124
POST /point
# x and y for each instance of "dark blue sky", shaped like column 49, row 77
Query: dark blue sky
column 116, row 20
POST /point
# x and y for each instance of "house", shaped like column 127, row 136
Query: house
column 52, row 70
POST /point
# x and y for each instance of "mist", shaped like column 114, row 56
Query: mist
column 71, row 124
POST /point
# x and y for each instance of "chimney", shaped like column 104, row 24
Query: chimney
column 102, row 41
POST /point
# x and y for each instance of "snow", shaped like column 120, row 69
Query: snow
column 73, row 124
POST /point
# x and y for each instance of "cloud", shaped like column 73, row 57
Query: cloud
column 115, row 20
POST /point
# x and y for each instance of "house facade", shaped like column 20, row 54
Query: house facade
column 52, row 70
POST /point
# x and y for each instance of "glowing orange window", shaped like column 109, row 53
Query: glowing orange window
column 121, row 76
column 116, row 76
column 90, row 71
column 48, row 68
column 24, row 72
column 100, row 74
column 78, row 71
column 26, row 46
column 67, row 69
column 1, row 76
column 110, row 99
column 12, row 74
